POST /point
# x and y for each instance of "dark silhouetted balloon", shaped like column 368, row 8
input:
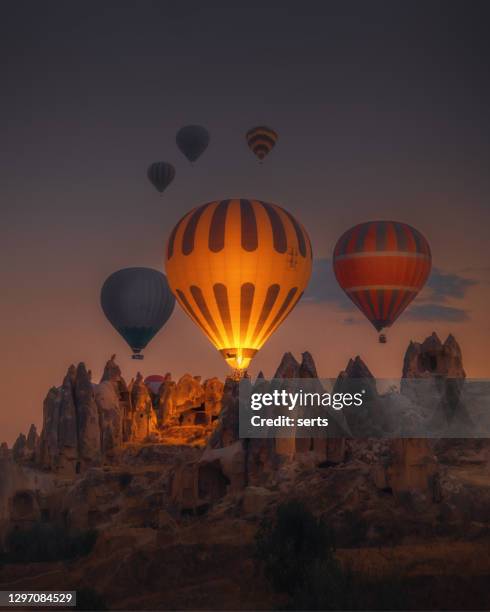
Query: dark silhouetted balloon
column 137, row 302
column 192, row 140
column 161, row 174
column 261, row 140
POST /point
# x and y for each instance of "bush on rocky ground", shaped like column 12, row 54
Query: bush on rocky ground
column 41, row 543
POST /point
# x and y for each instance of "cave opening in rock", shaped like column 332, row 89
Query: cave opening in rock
column 213, row 483
column 428, row 362
column 23, row 504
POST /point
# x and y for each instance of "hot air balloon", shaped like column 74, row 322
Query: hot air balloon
column 238, row 268
column 261, row 140
column 382, row 266
column 192, row 140
column 154, row 382
column 137, row 302
column 161, row 174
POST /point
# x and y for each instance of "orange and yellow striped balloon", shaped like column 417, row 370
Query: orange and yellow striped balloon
column 382, row 266
column 261, row 140
column 238, row 267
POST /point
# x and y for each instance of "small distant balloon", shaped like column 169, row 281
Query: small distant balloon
column 137, row 302
column 261, row 140
column 192, row 140
column 154, row 382
column 161, row 174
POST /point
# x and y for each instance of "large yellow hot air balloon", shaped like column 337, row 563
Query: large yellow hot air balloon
column 238, row 267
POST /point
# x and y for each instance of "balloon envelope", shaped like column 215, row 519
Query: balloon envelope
column 137, row 302
column 238, row 267
column 261, row 140
column 192, row 140
column 154, row 382
column 382, row 266
column 161, row 174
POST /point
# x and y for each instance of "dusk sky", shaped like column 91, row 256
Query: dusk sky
column 382, row 111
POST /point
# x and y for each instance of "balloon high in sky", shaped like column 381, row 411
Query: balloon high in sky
column 137, row 302
column 382, row 266
column 161, row 174
column 238, row 267
column 192, row 140
column 261, row 140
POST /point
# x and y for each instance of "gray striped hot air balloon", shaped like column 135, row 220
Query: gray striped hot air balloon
column 161, row 174
column 137, row 302
column 192, row 140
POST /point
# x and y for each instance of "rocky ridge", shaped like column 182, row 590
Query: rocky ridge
column 168, row 473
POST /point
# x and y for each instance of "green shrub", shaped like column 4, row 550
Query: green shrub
column 291, row 544
column 125, row 479
column 329, row 587
column 43, row 542
column 295, row 550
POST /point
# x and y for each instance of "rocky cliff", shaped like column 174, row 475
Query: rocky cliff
column 164, row 477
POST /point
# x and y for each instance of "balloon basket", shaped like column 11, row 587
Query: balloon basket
column 238, row 374
column 382, row 339
column 136, row 356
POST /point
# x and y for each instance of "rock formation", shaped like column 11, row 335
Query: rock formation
column 116, row 417
column 144, row 417
column 433, row 358
column 88, row 425
column 433, row 375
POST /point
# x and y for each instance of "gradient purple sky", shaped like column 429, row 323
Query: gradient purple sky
column 382, row 110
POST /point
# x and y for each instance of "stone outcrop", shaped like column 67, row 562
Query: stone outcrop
column 213, row 393
column 81, row 421
column 85, row 424
column 410, row 468
column 144, row 419
column 433, row 376
column 19, row 448
column 117, row 422
column 433, row 358
column 67, row 458
column 88, row 426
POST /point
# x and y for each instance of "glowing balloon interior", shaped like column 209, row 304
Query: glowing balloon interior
column 238, row 267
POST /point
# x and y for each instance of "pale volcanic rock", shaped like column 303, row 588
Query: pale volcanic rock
column 433, row 358
column 19, row 449
column 110, row 417
column 188, row 393
column 307, row 368
column 411, row 467
column 227, row 431
column 166, row 402
column 67, row 427
column 213, row 395
column 49, row 434
column 87, row 417
column 112, row 374
column 144, row 417
column 288, row 368
column 32, row 439
column 4, row 452
column 255, row 500
column 434, row 377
